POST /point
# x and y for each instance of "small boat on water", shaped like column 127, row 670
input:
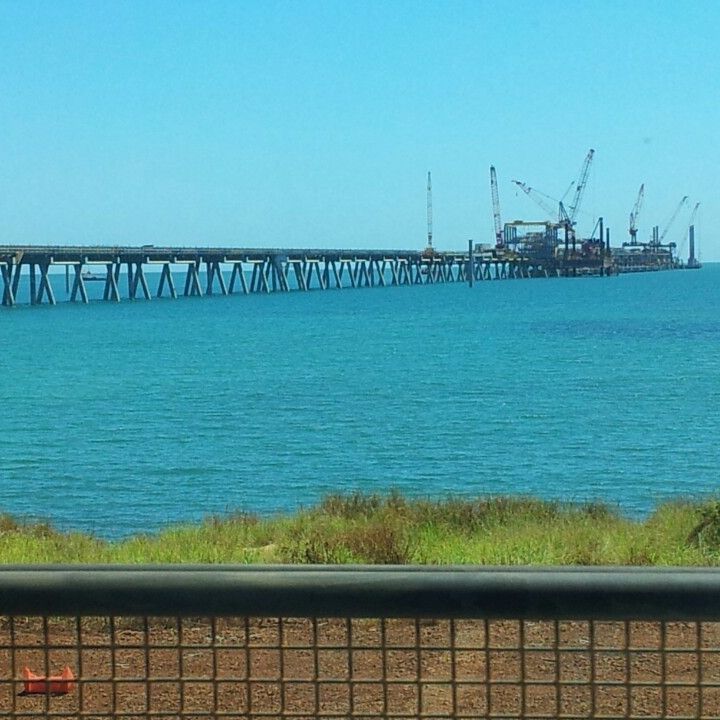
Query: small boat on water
column 87, row 276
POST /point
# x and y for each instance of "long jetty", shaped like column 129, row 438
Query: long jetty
column 126, row 271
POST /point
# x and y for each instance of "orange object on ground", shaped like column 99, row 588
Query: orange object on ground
column 55, row 684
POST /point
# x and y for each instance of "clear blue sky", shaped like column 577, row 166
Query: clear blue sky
column 314, row 123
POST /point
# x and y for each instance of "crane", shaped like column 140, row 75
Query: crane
column 690, row 223
column 680, row 206
column 564, row 216
column 693, row 214
column 570, row 187
column 580, row 186
column 429, row 214
column 499, row 242
column 538, row 198
column 634, row 215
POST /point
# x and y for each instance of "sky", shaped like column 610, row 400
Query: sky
column 314, row 124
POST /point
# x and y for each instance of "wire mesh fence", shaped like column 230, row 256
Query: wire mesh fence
column 238, row 666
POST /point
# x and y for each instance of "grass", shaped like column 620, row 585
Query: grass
column 391, row 529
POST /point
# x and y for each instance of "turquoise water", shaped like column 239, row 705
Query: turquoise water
column 121, row 418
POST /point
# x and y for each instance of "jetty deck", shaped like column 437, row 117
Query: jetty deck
column 127, row 272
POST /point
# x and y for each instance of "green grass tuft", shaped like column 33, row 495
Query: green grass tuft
column 393, row 529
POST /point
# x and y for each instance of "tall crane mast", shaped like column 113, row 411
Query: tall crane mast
column 499, row 241
column 580, row 187
column 634, row 215
column 680, row 206
column 429, row 213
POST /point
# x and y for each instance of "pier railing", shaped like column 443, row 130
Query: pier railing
column 294, row 642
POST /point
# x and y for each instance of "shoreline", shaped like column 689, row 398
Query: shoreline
column 392, row 529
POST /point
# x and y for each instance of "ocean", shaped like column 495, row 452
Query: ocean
column 123, row 418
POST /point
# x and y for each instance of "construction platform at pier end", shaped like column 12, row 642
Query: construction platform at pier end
column 130, row 273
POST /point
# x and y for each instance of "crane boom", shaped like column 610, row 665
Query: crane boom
column 496, row 208
column 580, row 186
column 680, row 206
column 429, row 212
column 537, row 198
column 693, row 214
column 634, row 215
column 690, row 223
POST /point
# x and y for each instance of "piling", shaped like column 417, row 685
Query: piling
column 691, row 257
column 471, row 264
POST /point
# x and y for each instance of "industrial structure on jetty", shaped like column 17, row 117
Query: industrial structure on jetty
column 521, row 249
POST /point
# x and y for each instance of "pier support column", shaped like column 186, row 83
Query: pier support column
column 192, row 280
column 266, row 268
column 350, row 271
column 336, row 274
column 111, row 290
column 394, row 272
column 238, row 275
column 138, row 278
column 313, row 267
column 78, row 287
column 320, row 276
column 33, row 284
column 209, row 275
column 8, row 298
column 471, row 262
column 45, row 288
column 381, row 267
column 363, row 267
column 166, row 278
column 214, row 271
column 259, row 281
column 416, row 270
column 280, row 274
column 15, row 272
column 380, row 273
column 299, row 275
column 446, row 269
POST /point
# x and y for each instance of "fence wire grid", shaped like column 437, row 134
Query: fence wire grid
column 385, row 668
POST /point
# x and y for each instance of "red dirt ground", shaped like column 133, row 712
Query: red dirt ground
column 338, row 668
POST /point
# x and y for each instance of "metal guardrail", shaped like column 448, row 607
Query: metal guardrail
column 359, row 642
column 363, row 591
